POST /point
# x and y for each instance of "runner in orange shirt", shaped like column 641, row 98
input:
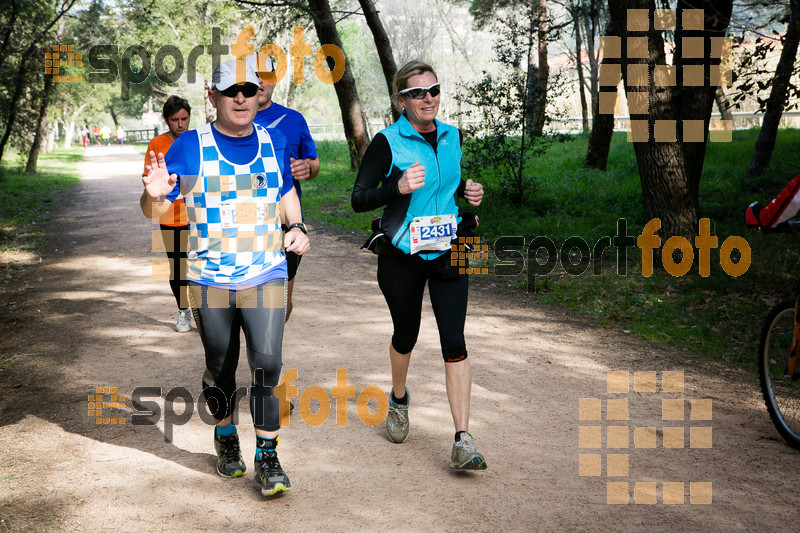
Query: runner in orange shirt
column 174, row 228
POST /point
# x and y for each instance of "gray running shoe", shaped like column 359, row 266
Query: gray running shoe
column 184, row 323
column 464, row 455
column 397, row 420
column 229, row 456
column 270, row 474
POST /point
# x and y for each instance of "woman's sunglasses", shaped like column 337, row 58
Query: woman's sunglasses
column 418, row 93
column 249, row 90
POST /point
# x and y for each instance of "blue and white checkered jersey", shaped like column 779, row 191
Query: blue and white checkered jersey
column 234, row 214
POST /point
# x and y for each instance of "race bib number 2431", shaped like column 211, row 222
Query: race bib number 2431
column 432, row 233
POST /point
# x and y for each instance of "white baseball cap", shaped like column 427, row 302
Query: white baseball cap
column 225, row 75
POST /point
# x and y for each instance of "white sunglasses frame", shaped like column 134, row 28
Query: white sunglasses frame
column 405, row 92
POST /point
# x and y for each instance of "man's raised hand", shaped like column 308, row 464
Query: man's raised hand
column 158, row 182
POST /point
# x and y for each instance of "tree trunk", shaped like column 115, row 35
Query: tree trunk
column 355, row 127
column 71, row 125
column 537, row 84
column 384, row 47
column 14, row 103
column 579, row 63
column 69, row 132
column 695, row 103
column 51, row 135
column 723, row 104
column 531, row 92
column 41, row 127
column 603, row 123
column 113, row 116
column 7, row 33
column 456, row 41
column 780, row 84
column 666, row 194
column 592, row 23
column 208, row 110
column 290, row 92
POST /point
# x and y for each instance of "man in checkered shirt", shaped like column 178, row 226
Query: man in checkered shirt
column 237, row 186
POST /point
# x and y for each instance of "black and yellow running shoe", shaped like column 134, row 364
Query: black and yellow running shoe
column 229, row 456
column 270, row 475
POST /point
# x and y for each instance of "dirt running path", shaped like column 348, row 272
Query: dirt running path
column 89, row 315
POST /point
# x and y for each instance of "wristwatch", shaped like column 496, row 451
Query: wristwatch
column 297, row 225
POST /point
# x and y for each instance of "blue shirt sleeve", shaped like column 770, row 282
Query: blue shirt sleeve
column 308, row 150
column 183, row 159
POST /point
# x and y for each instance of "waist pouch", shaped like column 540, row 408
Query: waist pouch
column 380, row 243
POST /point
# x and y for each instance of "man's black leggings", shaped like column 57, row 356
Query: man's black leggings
column 176, row 240
column 260, row 312
column 402, row 280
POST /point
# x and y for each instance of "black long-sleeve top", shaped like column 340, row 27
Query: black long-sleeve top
column 376, row 168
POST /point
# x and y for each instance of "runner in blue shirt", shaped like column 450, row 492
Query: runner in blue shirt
column 301, row 150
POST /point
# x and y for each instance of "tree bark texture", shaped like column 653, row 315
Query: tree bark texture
column 41, row 126
column 355, row 126
column 384, row 48
column 723, row 104
column 12, row 19
column 780, row 85
column 72, row 119
column 695, row 103
column 662, row 169
column 208, row 110
column 592, row 23
column 603, row 123
column 579, row 62
column 14, row 103
column 538, row 76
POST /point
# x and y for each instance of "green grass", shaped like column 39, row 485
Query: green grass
column 326, row 199
column 718, row 316
column 27, row 199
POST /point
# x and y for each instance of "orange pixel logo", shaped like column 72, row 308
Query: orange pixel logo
column 97, row 403
column 468, row 248
column 618, row 432
column 62, row 56
column 638, row 77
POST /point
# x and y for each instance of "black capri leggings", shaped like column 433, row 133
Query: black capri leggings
column 402, row 280
column 260, row 312
column 176, row 241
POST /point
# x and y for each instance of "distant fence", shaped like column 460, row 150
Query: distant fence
column 742, row 120
column 334, row 131
column 140, row 136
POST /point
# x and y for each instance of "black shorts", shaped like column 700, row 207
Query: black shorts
column 292, row 259
column 292, row 262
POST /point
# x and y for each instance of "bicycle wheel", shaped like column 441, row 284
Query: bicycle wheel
column 781, row 391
